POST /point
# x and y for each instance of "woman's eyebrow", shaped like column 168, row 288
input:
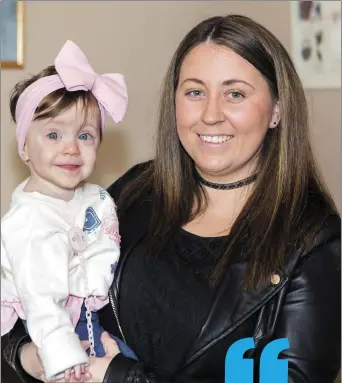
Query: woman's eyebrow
column 225, row 83
column 193, row 80
column 236, row 80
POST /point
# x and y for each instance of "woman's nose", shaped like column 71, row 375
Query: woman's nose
column 213, row 111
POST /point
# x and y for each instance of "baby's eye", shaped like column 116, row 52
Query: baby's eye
column 53, row 136
column 84, row 136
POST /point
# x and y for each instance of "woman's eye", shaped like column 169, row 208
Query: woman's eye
column 236, row 95
column 195, row 93
column 53, row 136
column 84, row 136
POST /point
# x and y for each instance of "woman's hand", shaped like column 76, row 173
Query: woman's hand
column 32, row 364
column 30, row 361
column 98, row 366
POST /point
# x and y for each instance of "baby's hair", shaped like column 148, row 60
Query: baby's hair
column 56, row 102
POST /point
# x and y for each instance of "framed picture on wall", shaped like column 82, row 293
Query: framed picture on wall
column 12, row 34
column 316, row 42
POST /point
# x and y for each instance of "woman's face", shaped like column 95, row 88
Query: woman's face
column 223, row 110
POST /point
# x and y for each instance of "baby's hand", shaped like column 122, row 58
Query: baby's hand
column 78, row 371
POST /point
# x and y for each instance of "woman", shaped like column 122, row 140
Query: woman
column 229, row 233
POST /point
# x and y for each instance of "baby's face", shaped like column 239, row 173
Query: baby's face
column 62, row 151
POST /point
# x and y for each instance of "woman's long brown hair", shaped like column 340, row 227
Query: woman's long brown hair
column 289, row 202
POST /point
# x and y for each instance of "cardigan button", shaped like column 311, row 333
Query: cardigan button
column 275, row 279
column 77, row 239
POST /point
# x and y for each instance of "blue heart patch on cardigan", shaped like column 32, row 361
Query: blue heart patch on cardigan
column 91, row 221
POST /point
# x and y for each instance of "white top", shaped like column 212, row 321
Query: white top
column 41, row 266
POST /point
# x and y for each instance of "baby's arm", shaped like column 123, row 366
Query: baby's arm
column 102, row 260
column 40, row 261
column 102, row 255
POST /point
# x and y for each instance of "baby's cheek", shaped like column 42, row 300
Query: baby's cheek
column 90, row 153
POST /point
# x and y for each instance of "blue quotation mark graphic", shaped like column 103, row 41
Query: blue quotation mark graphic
column 272, row 370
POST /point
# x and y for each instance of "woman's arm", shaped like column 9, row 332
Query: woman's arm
column 22, row 355
column 311, row 317
column 17, row 338
column 115, row 368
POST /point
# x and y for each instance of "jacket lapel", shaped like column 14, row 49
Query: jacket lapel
column 228, row 310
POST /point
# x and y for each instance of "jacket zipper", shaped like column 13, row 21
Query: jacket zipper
column 116, row 314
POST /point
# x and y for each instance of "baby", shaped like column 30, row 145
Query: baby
column 60, row 240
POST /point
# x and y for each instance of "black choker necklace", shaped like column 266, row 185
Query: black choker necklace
column 233, row 185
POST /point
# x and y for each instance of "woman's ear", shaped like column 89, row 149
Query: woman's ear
column 275, row 116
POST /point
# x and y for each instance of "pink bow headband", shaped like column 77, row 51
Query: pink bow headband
column 74, row 73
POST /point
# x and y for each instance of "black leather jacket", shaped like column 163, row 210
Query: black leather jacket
column 303, row 305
